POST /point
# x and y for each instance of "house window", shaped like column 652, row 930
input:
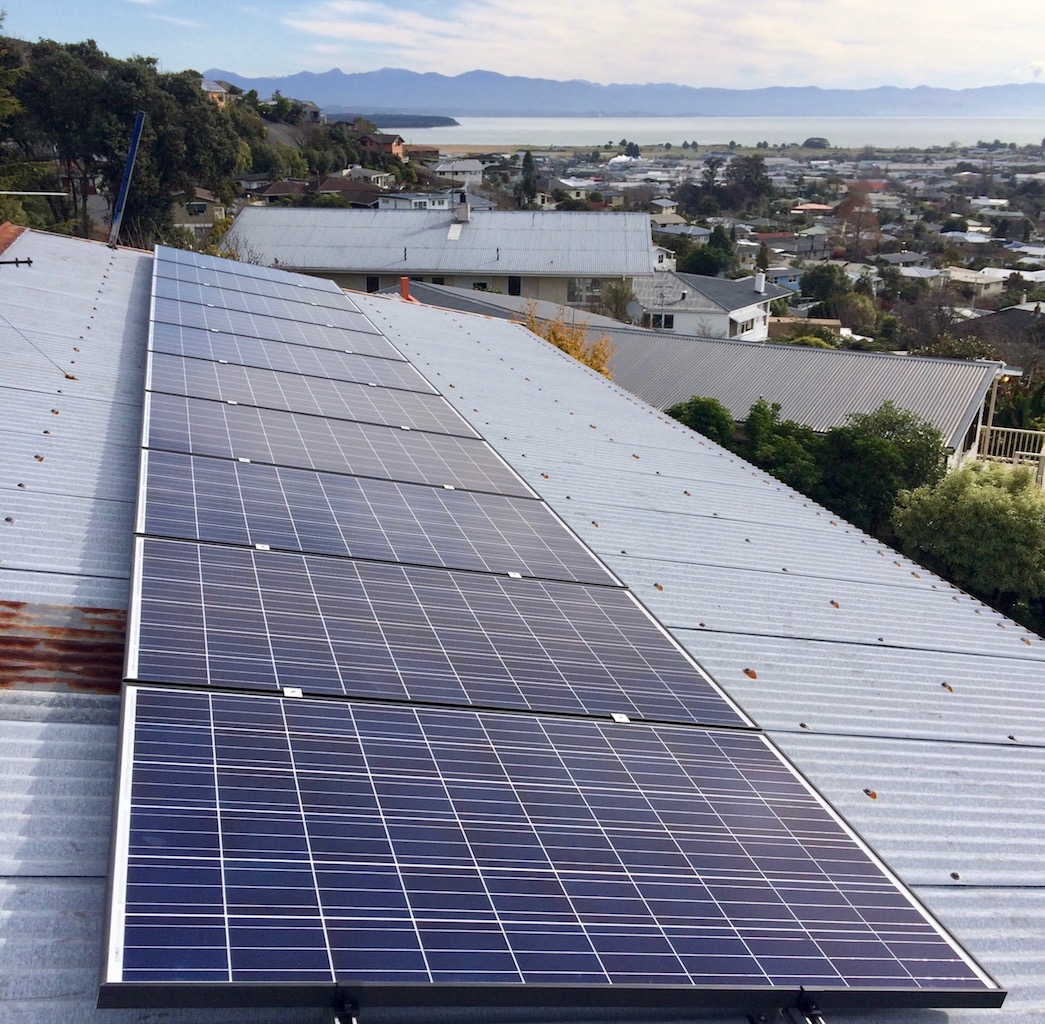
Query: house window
column 480, row 286
column 420, row 204
column 659, row 321
column 196, row 209
column 583, row 291
column 514, row 285
column 438, row 280
column 373, row 283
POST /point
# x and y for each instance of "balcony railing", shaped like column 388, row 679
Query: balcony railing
column 1014, row 446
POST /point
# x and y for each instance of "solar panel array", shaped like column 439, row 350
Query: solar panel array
column 390, row 724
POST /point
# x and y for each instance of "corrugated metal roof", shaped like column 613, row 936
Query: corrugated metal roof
column 817, row 387
column 952, row 792
column 552, row 243
column 73, row 333
column 922, row 716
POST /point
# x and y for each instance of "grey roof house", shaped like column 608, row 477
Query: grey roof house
column 914, row 709
column 558, row 256
column 708, row 307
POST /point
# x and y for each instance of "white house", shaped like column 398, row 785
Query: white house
column 707, row 307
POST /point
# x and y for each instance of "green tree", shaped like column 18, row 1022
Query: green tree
column 79, row 104
column 784, row 448
column 707, row 416
column 824, row 282
column 983, row 528
column 865, row 464
column 616, row 295
column 529, row 178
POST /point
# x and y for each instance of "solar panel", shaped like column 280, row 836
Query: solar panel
column 300, row 309
column 316, row 396
column 241, row 618
column 363, row 367
column 323, row 513
column 241, row 268
column 202, row 427
column 382, row 765
column 318, row 843
column 295, row 288
column 332, row 332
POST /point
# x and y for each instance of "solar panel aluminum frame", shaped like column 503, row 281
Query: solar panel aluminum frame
column 518, row 1003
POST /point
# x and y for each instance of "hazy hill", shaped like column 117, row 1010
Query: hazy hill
column 485, row 93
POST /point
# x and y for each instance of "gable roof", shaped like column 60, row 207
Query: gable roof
column 703, row 294
column 558, row 244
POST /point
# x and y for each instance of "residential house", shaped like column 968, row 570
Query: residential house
column 198, row 212
column 371, row 175
column 785, row 277
column 561, row 256
column 430, row 201
column 466, row 173
column 904, row 259
column 215, row 92
column 974, row 284
column 707, row 307
column 382, row 144
column 916, row 711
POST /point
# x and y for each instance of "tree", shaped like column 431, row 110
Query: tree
column 816, row 142
column 866, row 464
column 80, row 104
column 616, row 295
column 784, row 448
column 982, row 527
column 859, row 224
column 762, row 258
column 571, row 338
column 529, row 178
column 824, row 282
column 707, row 416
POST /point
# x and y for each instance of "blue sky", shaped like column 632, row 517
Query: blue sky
column 728, row 43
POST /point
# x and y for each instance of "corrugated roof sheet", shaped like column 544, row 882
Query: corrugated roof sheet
column 953, row 791
column 817, row 387
column 552, row 243
column 922, row 716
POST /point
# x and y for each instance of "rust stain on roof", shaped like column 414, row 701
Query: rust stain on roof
column 58, row 647
column 8, row 233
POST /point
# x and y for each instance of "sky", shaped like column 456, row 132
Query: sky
column 737, row 44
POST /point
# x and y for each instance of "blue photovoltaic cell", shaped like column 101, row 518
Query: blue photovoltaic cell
column 296, row 288
column 365, row 366
column 293, row 392
column 364, row 840
column 240, row 618
column 165, row 254
column 323, row 513
column 300, row 309
column 202, row 427
column 317, row 842
column 327, row 329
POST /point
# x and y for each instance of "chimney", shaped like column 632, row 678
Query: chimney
column 760, row 283
column 404, row 288
column 463, row 214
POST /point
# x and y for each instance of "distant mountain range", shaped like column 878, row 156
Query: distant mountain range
column 487, row 94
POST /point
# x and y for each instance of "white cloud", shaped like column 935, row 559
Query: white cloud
column 181, row 22
column 693, row 42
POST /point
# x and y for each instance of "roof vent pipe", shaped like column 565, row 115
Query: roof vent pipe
column 760, row 283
